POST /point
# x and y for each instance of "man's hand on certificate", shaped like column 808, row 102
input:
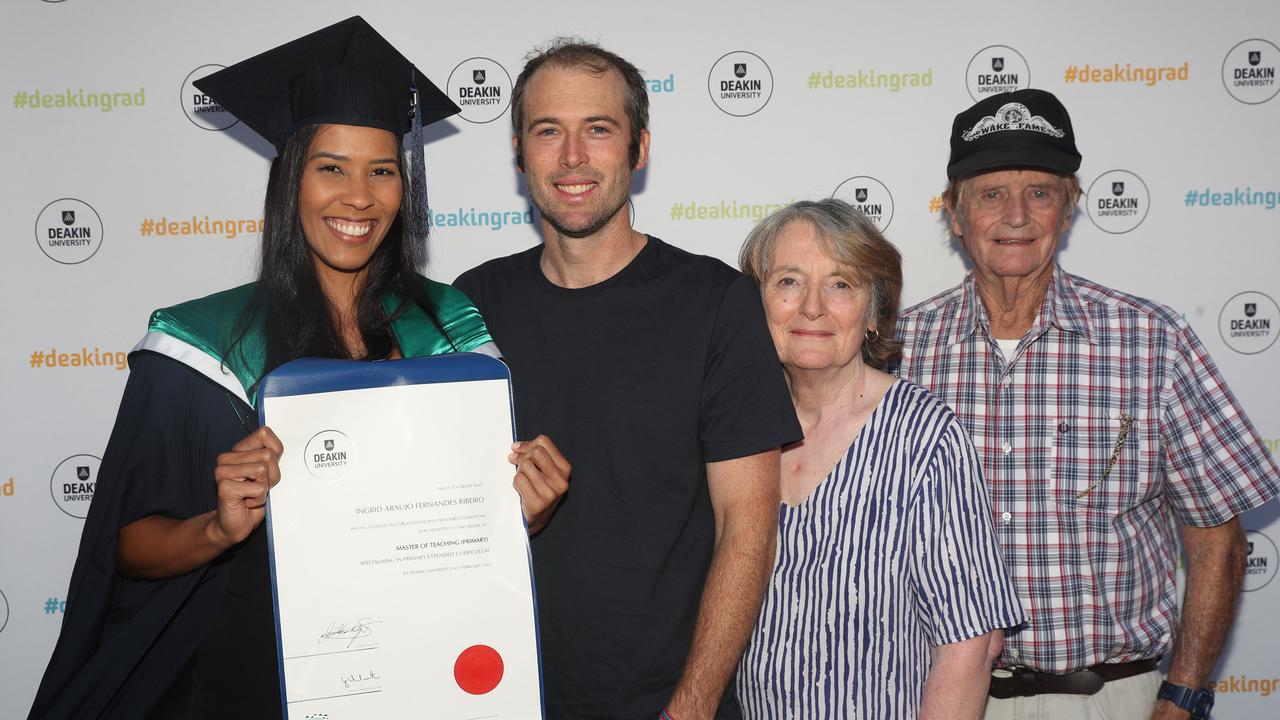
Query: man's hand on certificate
column 542, row 476
column 245, row 473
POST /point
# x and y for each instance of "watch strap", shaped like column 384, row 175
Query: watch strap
column 1197, row 702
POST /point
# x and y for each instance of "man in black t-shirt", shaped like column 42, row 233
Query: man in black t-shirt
column 653, row 371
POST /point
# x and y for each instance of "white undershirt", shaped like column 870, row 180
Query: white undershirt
column 1007, row 347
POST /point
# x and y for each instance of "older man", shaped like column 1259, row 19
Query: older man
column 1104, row 428
column 653, row 370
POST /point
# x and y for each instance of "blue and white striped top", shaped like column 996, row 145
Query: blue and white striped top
column 892, row 554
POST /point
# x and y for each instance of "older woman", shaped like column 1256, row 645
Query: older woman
column 888, row 591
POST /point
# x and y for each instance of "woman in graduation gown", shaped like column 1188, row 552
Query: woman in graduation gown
column 169, row 611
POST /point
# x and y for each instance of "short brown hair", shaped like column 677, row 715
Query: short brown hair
column 570, row 52
column 853, row 241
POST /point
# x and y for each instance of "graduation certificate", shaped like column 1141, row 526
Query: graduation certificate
column 399, row 558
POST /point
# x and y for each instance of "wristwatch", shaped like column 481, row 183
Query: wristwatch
column 1196, row 702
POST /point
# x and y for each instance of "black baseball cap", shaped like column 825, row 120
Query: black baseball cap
column 1019, row 129
column 344, row 74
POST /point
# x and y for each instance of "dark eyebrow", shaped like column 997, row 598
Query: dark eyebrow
column 344, row 158
column 550, row 119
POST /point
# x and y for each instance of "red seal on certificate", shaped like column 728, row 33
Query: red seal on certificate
column 478, row 669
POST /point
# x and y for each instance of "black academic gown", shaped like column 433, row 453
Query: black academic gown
column 197, row 645
column 201, row 645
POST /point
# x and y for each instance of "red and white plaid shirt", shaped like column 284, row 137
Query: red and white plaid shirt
column 1090, row 543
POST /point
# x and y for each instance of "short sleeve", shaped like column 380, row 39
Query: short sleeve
column 745, row 405
column 962, row 589
column 1216, row 466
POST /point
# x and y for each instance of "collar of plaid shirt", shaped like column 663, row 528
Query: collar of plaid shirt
column 1062, row 308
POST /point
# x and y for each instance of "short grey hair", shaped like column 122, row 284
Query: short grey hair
column 854, row 242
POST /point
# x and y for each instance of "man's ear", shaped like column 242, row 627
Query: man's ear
column 952, row 220
column 642, row 157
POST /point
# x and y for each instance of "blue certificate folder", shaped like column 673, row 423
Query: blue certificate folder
column 400, row 565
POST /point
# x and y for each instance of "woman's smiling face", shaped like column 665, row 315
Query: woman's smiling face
column 350, row 195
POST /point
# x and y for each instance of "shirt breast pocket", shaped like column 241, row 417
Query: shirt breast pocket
column 1103, row 461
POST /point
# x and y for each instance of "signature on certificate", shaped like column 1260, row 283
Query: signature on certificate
column 352, row 632
column 356, row 679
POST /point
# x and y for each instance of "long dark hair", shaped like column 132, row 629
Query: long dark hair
column 296, row 314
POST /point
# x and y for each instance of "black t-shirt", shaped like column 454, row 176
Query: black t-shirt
column 640, row 380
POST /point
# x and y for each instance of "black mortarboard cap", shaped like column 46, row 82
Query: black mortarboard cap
column 1019, row 129
column 345, row 74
